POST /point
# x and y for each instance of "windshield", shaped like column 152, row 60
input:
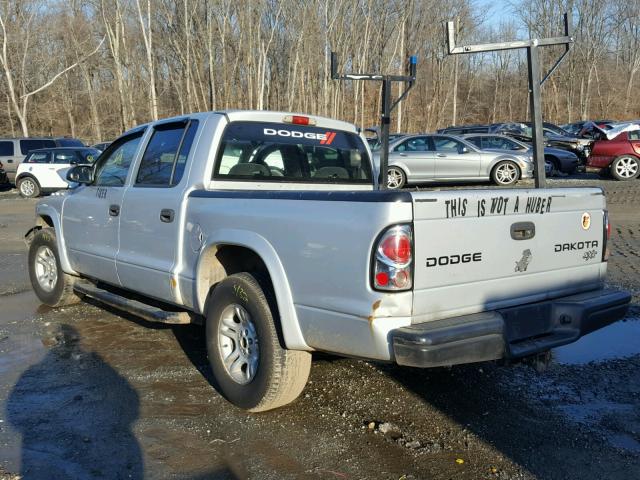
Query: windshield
column 274, row 152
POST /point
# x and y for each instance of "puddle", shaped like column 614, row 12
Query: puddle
column 618, row 340
column 624, row 441
column 594, row 411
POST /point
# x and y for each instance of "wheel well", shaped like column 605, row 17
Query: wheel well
column 44, row 221
column 625, row 155
column 220, row 261
column 24, row 175
column 553, row 159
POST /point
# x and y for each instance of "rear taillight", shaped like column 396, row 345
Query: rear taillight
column 393, row 260
column 606, row 233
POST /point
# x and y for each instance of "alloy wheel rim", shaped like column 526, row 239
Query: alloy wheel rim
column 46, row 269
column 238, row 344
column 27, row 187
column 627, row 167
column 506, row 173
column 394, row 178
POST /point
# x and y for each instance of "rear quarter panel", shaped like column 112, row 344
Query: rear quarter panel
column 323, row 253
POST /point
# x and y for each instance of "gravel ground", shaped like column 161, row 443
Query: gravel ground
column 89, row 393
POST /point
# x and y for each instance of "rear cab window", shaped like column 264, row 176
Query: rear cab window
column 275, row 152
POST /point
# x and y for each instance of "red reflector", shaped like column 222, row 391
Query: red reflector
column 382, row 279
column 397, row 248
column 298, row 120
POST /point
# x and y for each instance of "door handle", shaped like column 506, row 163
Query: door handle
column 403, row 154
column 114, row 210
column 167, row 215
column 523, row 230
column 441, row 155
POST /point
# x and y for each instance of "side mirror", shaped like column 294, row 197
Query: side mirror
column 464, row 150
column 74, row 162
column 82, row 174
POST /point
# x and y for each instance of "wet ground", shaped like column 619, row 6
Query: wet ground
column 89, row 393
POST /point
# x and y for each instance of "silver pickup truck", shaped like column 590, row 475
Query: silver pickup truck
column 270, row 229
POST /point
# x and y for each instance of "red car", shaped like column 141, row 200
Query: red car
column 620, row 155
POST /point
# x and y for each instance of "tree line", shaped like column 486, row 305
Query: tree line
column 94, row 68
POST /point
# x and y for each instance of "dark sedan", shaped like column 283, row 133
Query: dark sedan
column 559, row 160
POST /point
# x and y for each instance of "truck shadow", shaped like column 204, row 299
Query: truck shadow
column 75, row 413
column 499, row 410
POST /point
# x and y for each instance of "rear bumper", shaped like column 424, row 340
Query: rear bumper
column 508, row 333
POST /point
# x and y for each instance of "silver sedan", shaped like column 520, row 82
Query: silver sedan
column 446, row 158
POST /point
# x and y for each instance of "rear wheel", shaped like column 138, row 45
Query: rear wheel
column 555, row 166
column 396, row 178
column 625, row 167
column 252, row 369
column 505, row 173
column 28, row 187
column 51, row 285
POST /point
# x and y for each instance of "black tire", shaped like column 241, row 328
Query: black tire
column 43, row 258
column 625, row 167
column 398, row 176
column 280, row 374
column 556, row 166
column 28, row 187
column 505, row 165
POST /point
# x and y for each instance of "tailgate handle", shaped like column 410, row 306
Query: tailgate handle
column 523, row 230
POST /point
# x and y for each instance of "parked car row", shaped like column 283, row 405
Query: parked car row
column 502, row 152
column 38, row 165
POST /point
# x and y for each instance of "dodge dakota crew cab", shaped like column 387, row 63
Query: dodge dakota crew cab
column 270, row 229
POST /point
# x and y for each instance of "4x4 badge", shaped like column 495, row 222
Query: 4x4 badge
column 523, row 263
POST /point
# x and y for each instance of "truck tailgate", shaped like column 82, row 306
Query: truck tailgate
column 478, row 250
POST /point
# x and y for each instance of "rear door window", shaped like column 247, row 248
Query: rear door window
column 64, row 157
column 6, row 149
column 477, row 141
column 447, row 145
column 34, row 144
column 166, row 154
column 274, row 152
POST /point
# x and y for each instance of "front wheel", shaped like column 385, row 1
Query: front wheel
column 51, row 285
column 625, row 167
column 396, row 178
column 505, row 173
column 251, row 367
column 28, row 187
